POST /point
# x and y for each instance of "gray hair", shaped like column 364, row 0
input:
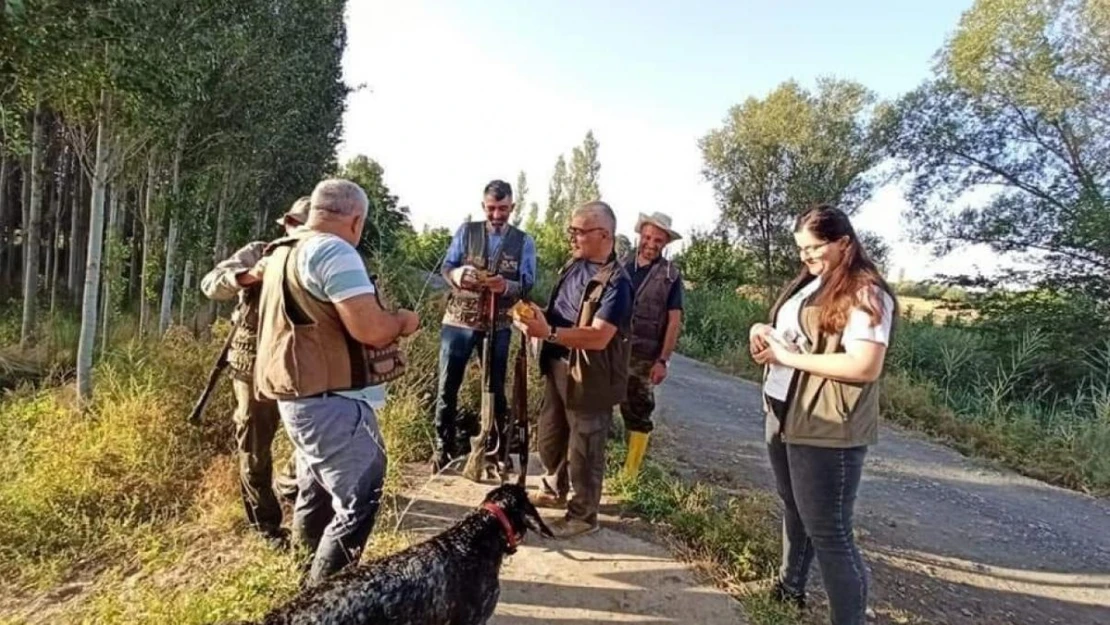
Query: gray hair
column 340, row 197
column 598, row 211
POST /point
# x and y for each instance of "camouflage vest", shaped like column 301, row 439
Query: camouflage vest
column 465, row 308
column 244, row 345
column 649, row 312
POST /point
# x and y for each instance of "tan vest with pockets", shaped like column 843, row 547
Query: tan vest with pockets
column 303, row 347
column 828, row 413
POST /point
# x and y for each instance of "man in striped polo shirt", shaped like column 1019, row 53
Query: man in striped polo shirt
column 320, row 320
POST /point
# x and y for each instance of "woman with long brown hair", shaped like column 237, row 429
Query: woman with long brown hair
column 823, row 354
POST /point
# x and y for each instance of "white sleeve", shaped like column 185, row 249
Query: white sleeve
column 859, row 326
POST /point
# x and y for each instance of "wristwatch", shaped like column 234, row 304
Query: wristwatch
column 551, row 337
column 663, row 361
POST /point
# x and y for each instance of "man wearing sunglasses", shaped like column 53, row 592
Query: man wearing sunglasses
column 584, row 359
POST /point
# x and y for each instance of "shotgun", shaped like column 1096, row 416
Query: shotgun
column 213, row 379
column 518, row 431
column 479, row 460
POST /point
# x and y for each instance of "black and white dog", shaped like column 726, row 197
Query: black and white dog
column 450, row 579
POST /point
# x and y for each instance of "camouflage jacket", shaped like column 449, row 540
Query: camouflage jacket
column 220, row 285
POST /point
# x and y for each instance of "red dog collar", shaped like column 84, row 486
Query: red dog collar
column 510, row 535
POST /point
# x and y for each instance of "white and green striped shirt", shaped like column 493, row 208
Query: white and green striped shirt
column 332, row 271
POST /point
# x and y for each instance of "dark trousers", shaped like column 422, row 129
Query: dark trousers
column 256, row 424
column 455, row 349
column 818, row 487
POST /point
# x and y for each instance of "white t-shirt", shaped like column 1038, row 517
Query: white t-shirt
column 858, row 328
column 331, row 270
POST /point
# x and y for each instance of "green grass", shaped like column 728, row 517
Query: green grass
column 125, row 513
column 733, row 538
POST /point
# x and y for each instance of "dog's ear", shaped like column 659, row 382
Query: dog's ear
column 534, row 521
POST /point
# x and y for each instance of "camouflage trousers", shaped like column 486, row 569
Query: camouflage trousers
column 639, row 403
column 256, row 424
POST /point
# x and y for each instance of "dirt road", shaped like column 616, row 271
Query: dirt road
column 607, row 577
column 949, row 539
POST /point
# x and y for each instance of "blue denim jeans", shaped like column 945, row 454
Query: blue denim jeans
column 818, row 487
column 341, row 464
column 455, row 349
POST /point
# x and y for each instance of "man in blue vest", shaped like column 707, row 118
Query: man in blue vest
column 491, row 258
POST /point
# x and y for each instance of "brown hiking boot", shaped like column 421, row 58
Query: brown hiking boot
column 569, row 528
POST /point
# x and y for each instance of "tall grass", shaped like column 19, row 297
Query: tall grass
column 140, row 509
column 958, row 381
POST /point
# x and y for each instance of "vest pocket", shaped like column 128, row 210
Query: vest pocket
column 827, row 416
column 291, row 375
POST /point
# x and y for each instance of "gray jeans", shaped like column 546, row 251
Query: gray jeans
column 341, row 465
column 818, row 487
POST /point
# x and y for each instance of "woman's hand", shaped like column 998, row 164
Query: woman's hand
column 757, row 338
column 780, row 354
column 764, row 357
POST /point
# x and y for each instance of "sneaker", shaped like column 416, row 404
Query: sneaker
column 570, row 528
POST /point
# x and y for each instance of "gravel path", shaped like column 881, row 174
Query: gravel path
column 611, row 576
column 949, row 539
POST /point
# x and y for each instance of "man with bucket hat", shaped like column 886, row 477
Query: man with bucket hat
column 656, row 321
column 256, row 420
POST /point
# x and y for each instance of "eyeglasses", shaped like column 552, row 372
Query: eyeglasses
column 581, row 232
column 811, row 249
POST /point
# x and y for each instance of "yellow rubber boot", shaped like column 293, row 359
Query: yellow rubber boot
column 637, row 445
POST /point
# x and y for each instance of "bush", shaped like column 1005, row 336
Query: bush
column 954, row 294
column 1025, row 383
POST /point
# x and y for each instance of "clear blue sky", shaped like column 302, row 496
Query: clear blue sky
column 690, row 60
column 464, row 91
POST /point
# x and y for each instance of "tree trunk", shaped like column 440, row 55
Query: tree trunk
column 186, row 284
column 768, row 271
column 5, row 242
column 219, row 249
column 131, row 226
column 109, row 265
column 83, row 229
column 32, row 234
column 74, row 230
column 58, row 240
column 148, row 243
column 166, row 316
column 92, row 265
column 52, row 250
column 25, row 209
column 166, row 313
